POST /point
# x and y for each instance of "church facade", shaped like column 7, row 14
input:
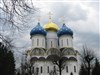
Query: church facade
column 52, row 50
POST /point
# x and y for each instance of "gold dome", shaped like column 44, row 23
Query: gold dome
column 51, row 26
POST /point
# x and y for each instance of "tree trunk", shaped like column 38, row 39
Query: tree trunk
column 88, row 71
column 89, row 68
column 60, row 71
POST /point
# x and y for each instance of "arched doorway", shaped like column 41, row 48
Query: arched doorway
column 71, row 73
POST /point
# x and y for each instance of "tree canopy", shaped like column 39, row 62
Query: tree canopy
column 7, row 62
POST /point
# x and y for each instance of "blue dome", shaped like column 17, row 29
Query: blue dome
column 38, row 30
column 64, row 31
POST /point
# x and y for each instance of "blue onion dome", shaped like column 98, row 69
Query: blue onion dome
column 64, row 31
column 38, row 29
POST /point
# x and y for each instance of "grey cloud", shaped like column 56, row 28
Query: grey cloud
column 90, row 39
column 94, row 5
column 74, row 12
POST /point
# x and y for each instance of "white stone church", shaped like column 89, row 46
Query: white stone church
column 53, row 41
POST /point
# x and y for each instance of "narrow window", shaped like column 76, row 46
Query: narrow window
column 37, row 70
column 42, row 42
column 74, row 68
column 58, row 42
column 67, row 42
column 45, row 43
column 33, row 69
column 54, row 68
column 33, row 42
column 48, row 69
column 71, row 73
column 66, row 68
column 71, row 43
column 62, row 42
column 37, row 42
column 41, row 69
column 51, row 43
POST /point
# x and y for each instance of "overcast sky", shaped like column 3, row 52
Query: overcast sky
column 81, row 17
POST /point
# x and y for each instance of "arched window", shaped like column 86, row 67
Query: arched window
column 62, row 42
column 71, row 73
column 37, row 42
column 41, row 69
column 48, row 69
column 37, row 70
column 33, row 69
column 66, row 68
column 58, row 42
column 54, row 68
column 72, row 42
column 45, row 42
column 67, row 42
column 42, row 42
column 33, row 42
column 51, row 43
column 74, row 68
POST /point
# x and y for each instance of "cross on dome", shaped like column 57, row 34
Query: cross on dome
column 39, row 18
column 63, row 19
column 49, row 16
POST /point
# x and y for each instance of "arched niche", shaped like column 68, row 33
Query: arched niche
column 37, row 51
column 53, row 51
column 68, row 51
column 72, row 59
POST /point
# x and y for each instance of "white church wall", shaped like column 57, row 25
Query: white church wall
column 52, row 40
column 78, row 62
column 65, row 41
column 38, row 41
column 45, row 65
column 72, row 65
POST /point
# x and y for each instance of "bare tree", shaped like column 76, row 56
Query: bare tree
column 27, row 66
column 13, row 14
column 53, row 72
column 58, row 60
column 12, row 9
column 87, row 56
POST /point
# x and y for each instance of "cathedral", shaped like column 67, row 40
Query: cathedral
column 52, row 51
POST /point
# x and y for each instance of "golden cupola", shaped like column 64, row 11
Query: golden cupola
column 50, row 25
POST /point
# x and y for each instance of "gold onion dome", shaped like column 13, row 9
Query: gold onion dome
column 51, row 26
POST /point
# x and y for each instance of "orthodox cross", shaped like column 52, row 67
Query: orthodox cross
column 63, row 19
column 49, row 16
column 39, row 18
